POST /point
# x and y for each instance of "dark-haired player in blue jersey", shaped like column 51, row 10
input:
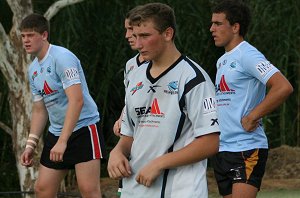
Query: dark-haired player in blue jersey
column 243, row 73
column 169, row 124
column 60, row 92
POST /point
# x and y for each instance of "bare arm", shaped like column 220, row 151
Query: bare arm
column 280, row 89
column 201, row 148
column 39, row 120
column 118, row 165
column 117, row 125
column 75, row 103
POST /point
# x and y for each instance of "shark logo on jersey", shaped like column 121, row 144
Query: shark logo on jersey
column 223, row 88
column 34, row 75
column 138, row 86
column 264, row 67
column 173, row 88
column 233, row 65
column 47, row 90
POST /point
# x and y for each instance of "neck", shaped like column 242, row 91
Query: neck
column 233, row 43
column 167, row 58
column 42, row 53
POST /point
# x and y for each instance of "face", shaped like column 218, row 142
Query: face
column 33, row 41
column 149, row 41
column 222, row 32
column 128, row 34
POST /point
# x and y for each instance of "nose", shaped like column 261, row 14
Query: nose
column 138, row 43
column 211, row 29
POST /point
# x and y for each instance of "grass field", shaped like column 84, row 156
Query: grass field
column 271, row 194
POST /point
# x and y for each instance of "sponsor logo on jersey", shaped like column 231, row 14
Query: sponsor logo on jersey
column 264, row 67
column 173, row 88
column 152, row 88
column 137, row 87
column 233, row 65
column 71, row 73
column 34, row 75
column 209, row 105
column 47, row 90
column 223, row 88
column 154, row 110
column 49, row 69
column 224, row 62
column 214, row 121
column 130, row 69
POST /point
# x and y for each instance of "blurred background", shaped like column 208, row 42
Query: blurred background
column 94, row 31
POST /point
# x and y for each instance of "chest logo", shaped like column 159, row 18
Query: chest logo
column 223, row 87
column 47, row 90
column 137, row 87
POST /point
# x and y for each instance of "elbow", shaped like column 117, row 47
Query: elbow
column 214, row 144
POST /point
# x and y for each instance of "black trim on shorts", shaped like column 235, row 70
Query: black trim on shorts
column 239, row 167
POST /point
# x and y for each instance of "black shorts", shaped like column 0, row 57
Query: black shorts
column 85, row 144
column 239, row 167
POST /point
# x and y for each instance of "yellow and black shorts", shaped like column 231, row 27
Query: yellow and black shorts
column 239, row 167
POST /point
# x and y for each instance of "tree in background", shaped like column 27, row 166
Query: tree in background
column 14, row 64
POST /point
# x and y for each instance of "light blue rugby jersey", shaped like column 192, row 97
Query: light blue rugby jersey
column 164, row 115
column 57, row 71
column 242, row 74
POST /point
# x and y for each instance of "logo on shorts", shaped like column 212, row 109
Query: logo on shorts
column 237, row 173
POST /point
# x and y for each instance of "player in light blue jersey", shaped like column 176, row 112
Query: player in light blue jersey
column 60, row 92
column 169, row 125
column 243, row 73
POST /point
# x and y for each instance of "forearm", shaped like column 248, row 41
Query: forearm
column 200, row 149
column 39, row 119
column 279, row 91
column 124, row 145
column 72, row 115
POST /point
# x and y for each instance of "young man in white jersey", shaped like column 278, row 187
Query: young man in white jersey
column 131, row 64
column 60, row 92
column 169, row 125
column 243, row 73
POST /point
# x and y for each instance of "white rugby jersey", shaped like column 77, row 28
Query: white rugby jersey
column 57, row 71
column 131, row 64
column 242, row 74
column 164, row 115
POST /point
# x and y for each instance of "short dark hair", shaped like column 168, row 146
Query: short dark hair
column 36, row 22
column 161, row 14
column 236, row 11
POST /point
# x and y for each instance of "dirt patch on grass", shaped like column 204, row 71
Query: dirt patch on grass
column 282, row 172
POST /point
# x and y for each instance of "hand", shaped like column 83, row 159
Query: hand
column 57, row 152
column 249, row 124
column 117, row 127
column 148, row 174
column 118, row 165
column 27, row 157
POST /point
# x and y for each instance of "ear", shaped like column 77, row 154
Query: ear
column 168, row 33
column 236, row 28
column 45, row 36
